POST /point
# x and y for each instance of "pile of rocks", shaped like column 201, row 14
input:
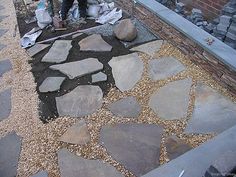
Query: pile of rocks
column 224, row 27
column 197, row 18
column 180, row 8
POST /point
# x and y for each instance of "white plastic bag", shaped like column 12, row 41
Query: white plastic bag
column 43, row 18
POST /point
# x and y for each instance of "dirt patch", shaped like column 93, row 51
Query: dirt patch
column 41, row 71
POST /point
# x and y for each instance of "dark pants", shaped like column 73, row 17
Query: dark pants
column 67, row 4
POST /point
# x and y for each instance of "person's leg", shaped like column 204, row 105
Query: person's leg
column 66, row 5
column 82, row 8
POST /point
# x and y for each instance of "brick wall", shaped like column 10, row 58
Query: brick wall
column 218, row 70
column 211, row 8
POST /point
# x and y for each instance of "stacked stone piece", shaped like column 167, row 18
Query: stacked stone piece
column 180, row 8
column 231, row 34
column 197, row 18
column 222, row 28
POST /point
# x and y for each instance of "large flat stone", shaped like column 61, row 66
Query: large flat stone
column 99, row 77
column 136, row 146
column 144, row 35
column 79, row 68
column 2, row 32
column 198, row 160
column 213, row 113
column 5, row 66
column 175, row 147
column 81, row 101
column 94, row 43
column 5, row 104
column 164, row 68
column 127, row 70
column 126, row 107
column 77, row 134
column 171, row 101
column 1, row 7
column 149, row 48
column 58, row 52
column 51, row 84
column 41, row 174
column 10, row 147
column 104, row 30
column 32, row 51
column 73, row 166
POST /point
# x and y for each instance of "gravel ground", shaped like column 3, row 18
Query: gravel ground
column 40, row 141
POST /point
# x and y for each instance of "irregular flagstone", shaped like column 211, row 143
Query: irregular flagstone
column 32, row 51
column 73, row 166
column 176, row 147
column 5, row 66
column 51, row 84
column 79, row 68
column 104, row 30
column 94, row 43
column 127, row 70
column 149, row 48
column 58, row 52
column 81, row 101
column 77, row 134
column 5, row 104
column 41, row 174
column 10, row 147
column 2, row 46
column 2, row 32
column 171, row 101
column 126, row 107
column 164, row 68
column 99, row 77
column 144, row 35
column 213, row 113
column 136, row 146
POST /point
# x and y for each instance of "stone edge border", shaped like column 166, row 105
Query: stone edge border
column 217, row 59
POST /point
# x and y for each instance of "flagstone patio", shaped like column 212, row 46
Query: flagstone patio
column 148, row 106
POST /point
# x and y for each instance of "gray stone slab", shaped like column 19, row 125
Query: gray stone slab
column 51, row 84
column 94, row 43
column 5, row 66
column 200, row 157
column 73, row 166
column 81, row 101
column 99, row 77
column 5, row 104
column 2, row 32
column 213, row 113
column 10, row 147
column 171, row 101
column 58, row 52
column 175, row 147
column 149, row 48
column 144, row 35
column 79, row 68
column 164, row 68
column 126, row 107
column 223, row 52
column 36, row 49
column 41, row 174
column 2, row 46
column 136, row 146
column 127, row 70
column 77, row 134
